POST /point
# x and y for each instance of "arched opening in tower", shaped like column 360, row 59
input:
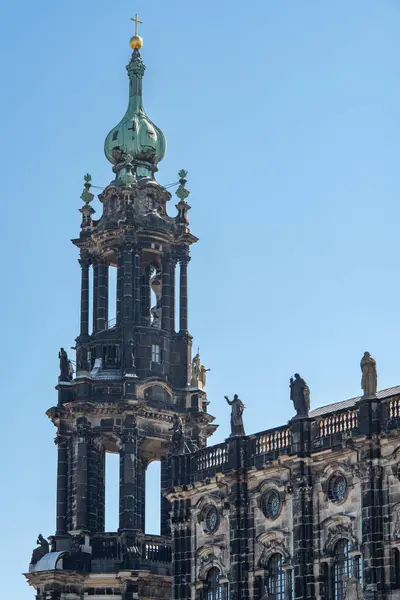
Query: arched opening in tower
column 153, row 498
column 111, row 484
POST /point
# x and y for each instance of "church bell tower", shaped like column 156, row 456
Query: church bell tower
column 135, row 390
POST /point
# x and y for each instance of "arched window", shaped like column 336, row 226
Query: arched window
column 275, row 578
column 215, row 589
column 343, row 567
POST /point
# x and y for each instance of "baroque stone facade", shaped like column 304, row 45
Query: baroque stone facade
column 309, row 510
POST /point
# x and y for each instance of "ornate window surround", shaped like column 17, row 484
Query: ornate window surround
column 264, row 489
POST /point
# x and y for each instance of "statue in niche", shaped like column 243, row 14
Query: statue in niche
column 82, row 359
column 369, row 379
column 237, row 408
column 156, row 286
column 66, row 370
column 130, row 356
column 300, row 396
column 43, row 548
column 177, row 434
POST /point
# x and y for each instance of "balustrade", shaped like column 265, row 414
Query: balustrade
column 211, row 457
column 338, row 422
column 274, row 440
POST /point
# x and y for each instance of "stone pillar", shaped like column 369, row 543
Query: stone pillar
column 374, row 502
column 120, row 279
column 166, row 294
column 145, row 296
column 181, row 549
column 129, row 494
column 102, row 297
column 127, row 284
column 183, row 294
column 81, row 476
column 241, row 529
column 303, row 554
column 95, row 294
column 136, row 285
column 84, row 262
column 62, row 484
column 165, row 503
column 95, row 482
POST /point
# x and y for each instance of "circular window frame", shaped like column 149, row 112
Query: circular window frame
column 207, row 510
column 264, row 504
column 333, row 479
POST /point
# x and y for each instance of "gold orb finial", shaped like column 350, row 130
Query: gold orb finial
column 136, row 42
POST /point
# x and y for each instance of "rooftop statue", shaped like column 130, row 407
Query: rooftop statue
column 42, row 549
column 237, row 427
column 198, row 373
column 300, row 396
column 369, row 379
column 66, row 371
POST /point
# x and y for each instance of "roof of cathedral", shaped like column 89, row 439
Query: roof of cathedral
column 329, row 408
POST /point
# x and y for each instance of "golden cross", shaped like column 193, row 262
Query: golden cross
column 136, row 21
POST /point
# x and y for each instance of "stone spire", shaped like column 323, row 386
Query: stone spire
column 136, row 145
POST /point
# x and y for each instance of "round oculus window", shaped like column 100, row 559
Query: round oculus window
column 212, row 520
column 271, row 505
column 337, row 490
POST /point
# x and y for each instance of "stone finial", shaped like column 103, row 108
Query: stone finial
column 182, row 192
column 86, row 195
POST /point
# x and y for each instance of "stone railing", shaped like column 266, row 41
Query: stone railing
column 273, row 440
column 156, row 548
column 212, row 457
column 394, row 408
column 151, row 548
column 338, row 422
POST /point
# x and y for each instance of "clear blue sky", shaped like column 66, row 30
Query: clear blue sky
column 286, row 114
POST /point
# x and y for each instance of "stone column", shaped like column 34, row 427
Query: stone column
column 129, row 495
column 136, row 285
column 102, row 297
column 181, row 549
column 95, row 294
column 183, row 294
column 62, row 484
column 84, row 262
column 375, row 509
column 81, row 477
column 241, row 528
column 127, row 284
column 120, row 278
column 95, row 484
column 165, row 503
column 166, row 294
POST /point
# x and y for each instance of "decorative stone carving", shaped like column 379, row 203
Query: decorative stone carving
column 269, row 544
column 369, row 379
column 177, row 435
column 300, row 396
column 337, row 529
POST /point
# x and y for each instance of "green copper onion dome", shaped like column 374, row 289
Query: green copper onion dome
column 136, row 145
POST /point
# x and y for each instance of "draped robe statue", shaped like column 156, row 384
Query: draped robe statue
column 237, row 408
column 300, row 395
column 42, row 549
column 369, row 379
